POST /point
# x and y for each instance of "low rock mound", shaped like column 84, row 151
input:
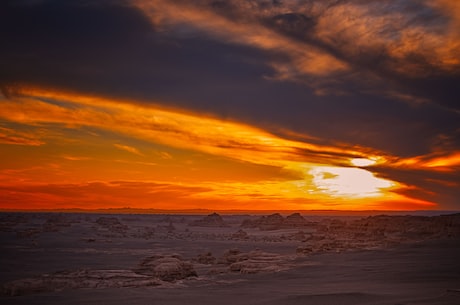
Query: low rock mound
column 256, row 261
column 56, row 223
column 111, row 225
column 78, row 279
column 205, row 258
column 240, row 235
column 211, row 220
column 277, row 221
column 169, row 268
column 259, row 261
column 295, row 220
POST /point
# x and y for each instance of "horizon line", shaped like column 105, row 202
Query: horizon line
column 197, row 211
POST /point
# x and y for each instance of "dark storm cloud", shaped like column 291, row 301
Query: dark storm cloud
column 407, row 46
column 111, row 48
column 434, row 186
column 380, row 86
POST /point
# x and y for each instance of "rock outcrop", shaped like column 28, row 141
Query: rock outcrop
column 240, row 235
column 169, row 268
column 259, row 261
column 205, row 258
column 111, row 226
column 10, row 220
column 334, row 235
column 56, row 223
column 211, row 220
column 78, row 279
column 152, row 271
column 254, row 261
column 295, row 220
column 277, row 222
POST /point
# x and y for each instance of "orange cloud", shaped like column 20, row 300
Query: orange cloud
column 11, row 136
column 450, row 161
column 305, row 175
column 436, row 162
column 130, row 149
column 157, row 195
column 374, row 30
column 97, row 194
column 170, row 127
column 75, row 158
column 304, row 58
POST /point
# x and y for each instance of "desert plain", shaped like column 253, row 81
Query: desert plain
column 78, row 258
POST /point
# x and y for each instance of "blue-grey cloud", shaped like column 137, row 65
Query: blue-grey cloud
column 388, row 97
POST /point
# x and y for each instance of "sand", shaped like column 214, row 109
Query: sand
column 70, row 249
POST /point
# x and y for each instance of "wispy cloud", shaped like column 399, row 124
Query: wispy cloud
column 448, row 161
column 130, row 149
column 165, row 155
column 75, row 158
column 11, row 136
column 97, row 194
column 245, row 29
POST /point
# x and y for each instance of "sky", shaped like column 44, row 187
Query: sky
column 230, row 105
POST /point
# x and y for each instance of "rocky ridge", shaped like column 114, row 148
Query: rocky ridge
column 277, row 221
column 211, row 220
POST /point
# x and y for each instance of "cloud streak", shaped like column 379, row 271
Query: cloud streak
column 11, row 136
column 169, row 127
column 246, row 30
column 323, row 171
column 97, row 194
column 130, row 149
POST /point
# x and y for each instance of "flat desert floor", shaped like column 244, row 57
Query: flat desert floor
column 229, row 259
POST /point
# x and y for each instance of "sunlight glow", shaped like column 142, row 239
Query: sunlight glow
column 362, row 162
column 349, row 182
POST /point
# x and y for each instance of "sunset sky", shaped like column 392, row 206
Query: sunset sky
column 247, row 105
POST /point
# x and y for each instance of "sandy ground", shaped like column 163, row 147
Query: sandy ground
column 416, row 273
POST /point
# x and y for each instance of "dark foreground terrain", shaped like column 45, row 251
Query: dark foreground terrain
column 274, row 259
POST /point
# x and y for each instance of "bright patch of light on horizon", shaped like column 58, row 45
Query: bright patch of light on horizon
column 362, row 162
column 348, row 182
